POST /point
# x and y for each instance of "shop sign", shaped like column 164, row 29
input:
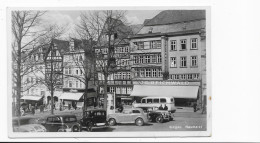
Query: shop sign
column 163, row 82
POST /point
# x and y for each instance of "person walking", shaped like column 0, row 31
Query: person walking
column 33, row 110
column 195, row 106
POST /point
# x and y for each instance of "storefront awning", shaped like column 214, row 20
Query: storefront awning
column 165, row 91
column 31, row 97
column 76, row 95
column 71, row 96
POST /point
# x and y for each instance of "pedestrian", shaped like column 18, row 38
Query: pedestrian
column 195, row 106
column 60, row 106
column 75, row 106
column 33, row 110
column 161, row 108
column 165, row 107
column 36, row 106
column 29, row 107
column 121, row 108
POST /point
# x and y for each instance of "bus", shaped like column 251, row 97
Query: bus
column 156, row 102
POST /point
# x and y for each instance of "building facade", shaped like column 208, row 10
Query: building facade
column 170, row 50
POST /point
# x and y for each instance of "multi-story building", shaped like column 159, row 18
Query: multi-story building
column 120, row 80
column 54, row 67
column 33, row 88
column 74, row 72
column 169, row 51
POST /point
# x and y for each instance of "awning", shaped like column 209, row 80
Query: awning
column 31, row 97
column 165, row 91
column 76, row 95
column 71, row 96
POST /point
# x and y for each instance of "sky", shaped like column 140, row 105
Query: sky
column 70, row 17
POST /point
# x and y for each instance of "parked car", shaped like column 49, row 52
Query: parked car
column 62, row 123
column 159, row 116
column 28, row 124
column 131, row 115
column 156, row 115
column 94, row 118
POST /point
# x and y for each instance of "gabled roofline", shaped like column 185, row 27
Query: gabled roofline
column 179, row 33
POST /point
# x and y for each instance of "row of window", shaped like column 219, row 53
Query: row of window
column 36, row 57
column 194, row 76
column 36, row 91
column 183, row 44
column 69, row 71
column 122, row 75
column 151, row 58
column 74, row 84
column 156, row 44
column 117, row 50
column 148, row 72
column 183, row 61
column 120, row 90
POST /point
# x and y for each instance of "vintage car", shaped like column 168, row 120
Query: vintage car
column 27, row 124
column 94, row 118
column 62, row 123
column 130, row 115
column 159, row 116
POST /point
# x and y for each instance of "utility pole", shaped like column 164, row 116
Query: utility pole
column 51, row 80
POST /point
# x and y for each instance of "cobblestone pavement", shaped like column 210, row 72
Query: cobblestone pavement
column 184, row 120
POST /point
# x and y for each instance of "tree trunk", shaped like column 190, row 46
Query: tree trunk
column 19, row 81
column 85, row 95
column 105, row 92
column 51, row 83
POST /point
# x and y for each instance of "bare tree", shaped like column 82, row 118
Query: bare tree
column 25, row 35
column 109, row 29
column 28, row 33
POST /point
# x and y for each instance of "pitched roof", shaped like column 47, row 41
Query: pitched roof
column 176, row 16
column 136, row 28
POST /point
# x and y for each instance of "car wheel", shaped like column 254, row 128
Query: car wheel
column 61, row 130
column 89, row 127
column 139, row 121
column 112, row 122
column 75, row 128
column 159, row 119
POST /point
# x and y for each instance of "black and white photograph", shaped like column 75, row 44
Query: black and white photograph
column 109, row 72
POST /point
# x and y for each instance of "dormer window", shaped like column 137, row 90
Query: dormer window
column 150, row 30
